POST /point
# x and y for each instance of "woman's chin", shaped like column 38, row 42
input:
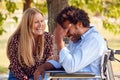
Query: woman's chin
column 39, row 33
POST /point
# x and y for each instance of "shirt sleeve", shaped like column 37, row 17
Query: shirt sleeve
column 50, row 48
column 56, row 64
column 82, row 55
column 14, row 63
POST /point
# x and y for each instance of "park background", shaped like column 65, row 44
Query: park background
column 10, row 25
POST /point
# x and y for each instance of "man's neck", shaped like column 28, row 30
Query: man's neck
column 84, row 30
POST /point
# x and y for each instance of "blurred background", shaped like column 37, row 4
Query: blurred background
column 104, row 14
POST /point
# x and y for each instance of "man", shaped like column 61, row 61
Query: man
column 86, row 46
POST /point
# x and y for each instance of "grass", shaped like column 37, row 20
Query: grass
column 4, row 62
column 3, row 69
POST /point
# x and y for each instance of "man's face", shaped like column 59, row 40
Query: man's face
column 72, row 31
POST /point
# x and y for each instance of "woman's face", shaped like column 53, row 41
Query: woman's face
column 38, row 24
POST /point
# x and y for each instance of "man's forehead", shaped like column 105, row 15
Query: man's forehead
column 66, row 24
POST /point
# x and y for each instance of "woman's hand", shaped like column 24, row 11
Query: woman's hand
column 40, row 71
column 25, row 78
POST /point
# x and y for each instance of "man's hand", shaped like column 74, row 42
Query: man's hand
column 40, row 71
column 59, row 36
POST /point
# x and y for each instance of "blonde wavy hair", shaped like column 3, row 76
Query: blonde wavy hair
column 27, row 41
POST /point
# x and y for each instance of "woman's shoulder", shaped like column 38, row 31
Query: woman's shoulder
column 15, row 37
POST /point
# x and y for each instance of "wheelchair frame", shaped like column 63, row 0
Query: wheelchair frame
column 106, row 69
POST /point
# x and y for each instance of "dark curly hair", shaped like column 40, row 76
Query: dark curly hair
column 73, row 15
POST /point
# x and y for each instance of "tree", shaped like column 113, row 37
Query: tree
column 54, row 7
column 108, row 9
column 27, row 4
column 9, row 7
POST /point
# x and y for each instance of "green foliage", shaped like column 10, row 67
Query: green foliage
column 112, row 8
column 115, row 28
column 41, row 6
column 2, row 19
column 3, row 70
column 15, row 18
column 11, row 6
column 104, row 8
column 1, row 30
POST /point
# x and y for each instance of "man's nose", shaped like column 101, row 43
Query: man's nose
column 67, row 35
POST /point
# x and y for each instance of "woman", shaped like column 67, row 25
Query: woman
column 29, row 46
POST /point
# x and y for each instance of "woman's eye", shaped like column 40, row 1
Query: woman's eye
column 42, row 21
column 36, row 21
column 39, row 21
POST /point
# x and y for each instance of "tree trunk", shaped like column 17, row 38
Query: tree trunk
column 27, row 4
column 54, row 7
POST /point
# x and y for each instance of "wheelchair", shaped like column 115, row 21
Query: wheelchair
column 106, row 69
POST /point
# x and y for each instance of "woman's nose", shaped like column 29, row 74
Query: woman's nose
column 41, row 23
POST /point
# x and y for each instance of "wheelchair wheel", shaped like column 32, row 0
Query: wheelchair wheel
column 109, row 71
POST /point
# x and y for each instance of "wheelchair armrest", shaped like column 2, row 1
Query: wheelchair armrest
column 63, row 74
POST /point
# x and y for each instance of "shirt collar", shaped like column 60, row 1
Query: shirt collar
column 92, row 28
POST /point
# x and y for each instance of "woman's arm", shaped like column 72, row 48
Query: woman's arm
column 49, row 44
column 15, row 67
